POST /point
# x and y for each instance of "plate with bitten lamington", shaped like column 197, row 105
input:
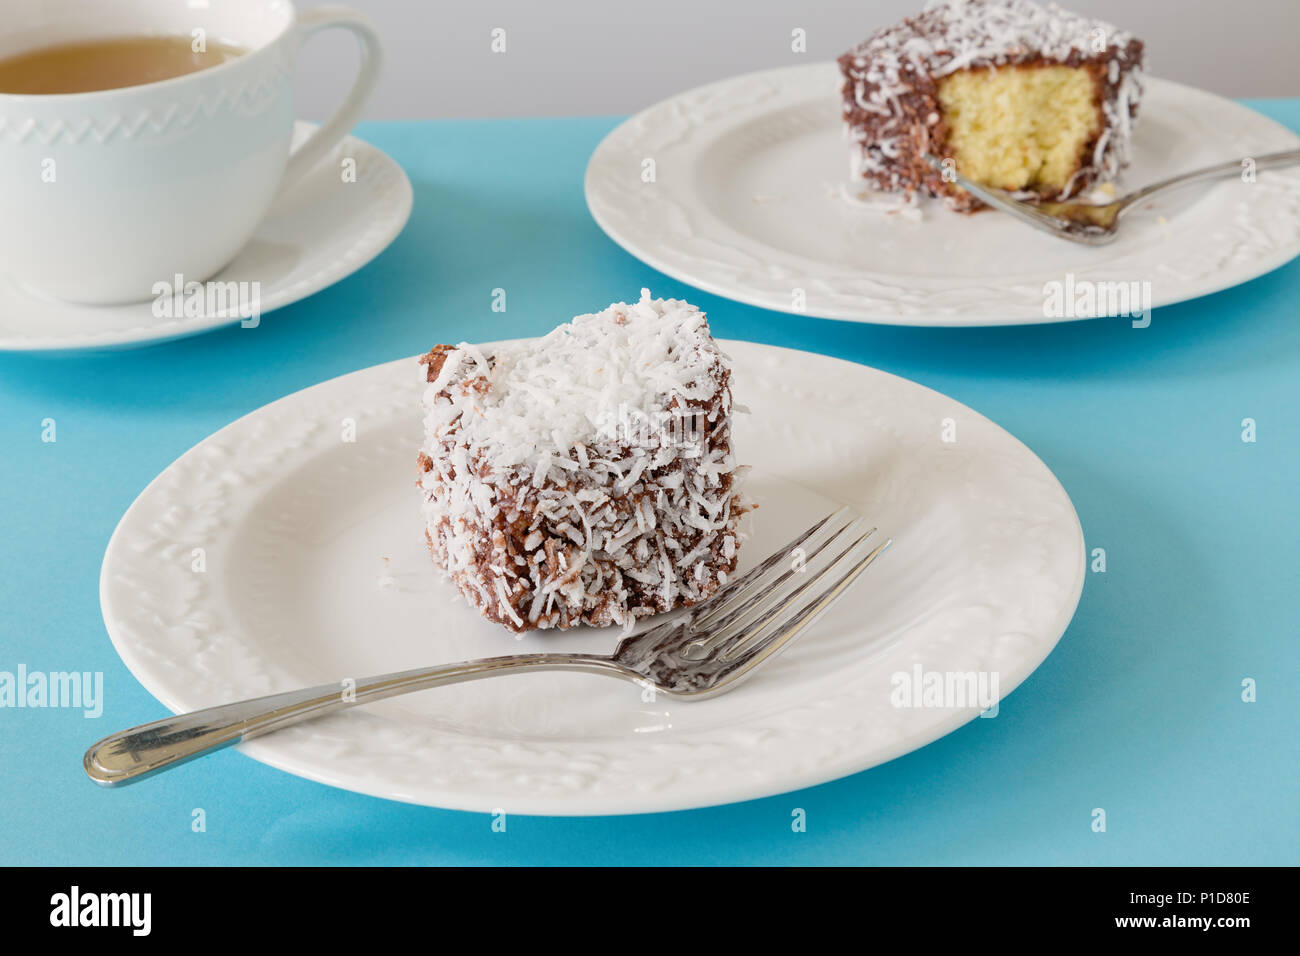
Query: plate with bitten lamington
column 805, row 189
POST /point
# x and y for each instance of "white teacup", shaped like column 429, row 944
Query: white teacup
column 105, row 194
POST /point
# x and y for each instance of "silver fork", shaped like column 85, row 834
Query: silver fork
column 706, row 650
column 1096, row 224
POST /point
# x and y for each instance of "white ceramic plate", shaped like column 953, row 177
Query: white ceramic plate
column 320, row 231
column 749, row 201
column 315, row 569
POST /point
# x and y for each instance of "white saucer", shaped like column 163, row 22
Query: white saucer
column 320, row 231
column 315, row 568
column 749, row 201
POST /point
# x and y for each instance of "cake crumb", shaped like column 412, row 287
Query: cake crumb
column 386, row 581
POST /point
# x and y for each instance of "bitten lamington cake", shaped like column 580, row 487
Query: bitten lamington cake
column 1033, row 100
column 585, row 478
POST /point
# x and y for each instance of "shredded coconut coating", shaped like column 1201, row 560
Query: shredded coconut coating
column 891, row 106
column 587, row 477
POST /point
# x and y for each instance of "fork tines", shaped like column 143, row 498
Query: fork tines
column 762, row 610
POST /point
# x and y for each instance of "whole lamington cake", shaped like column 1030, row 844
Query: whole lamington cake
column 1034, row 100
column 586, row 477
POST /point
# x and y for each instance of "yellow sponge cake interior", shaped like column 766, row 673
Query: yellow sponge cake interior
column 1020, row 127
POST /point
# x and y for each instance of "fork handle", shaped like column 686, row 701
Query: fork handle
column 1216, row 171
column 142, row 751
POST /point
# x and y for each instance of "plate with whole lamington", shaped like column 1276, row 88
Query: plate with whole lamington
column 807, row 188
column 557, row 494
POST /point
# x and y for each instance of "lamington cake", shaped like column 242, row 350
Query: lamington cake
column 1034, row 100
column 586, row 477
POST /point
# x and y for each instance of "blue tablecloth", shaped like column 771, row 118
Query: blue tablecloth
column 1139, row 711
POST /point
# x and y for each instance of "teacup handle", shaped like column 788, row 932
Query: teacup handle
column 313, row 149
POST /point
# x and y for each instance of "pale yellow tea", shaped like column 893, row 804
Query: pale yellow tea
column 108, row 64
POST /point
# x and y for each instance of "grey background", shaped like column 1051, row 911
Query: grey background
column 584, row 57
